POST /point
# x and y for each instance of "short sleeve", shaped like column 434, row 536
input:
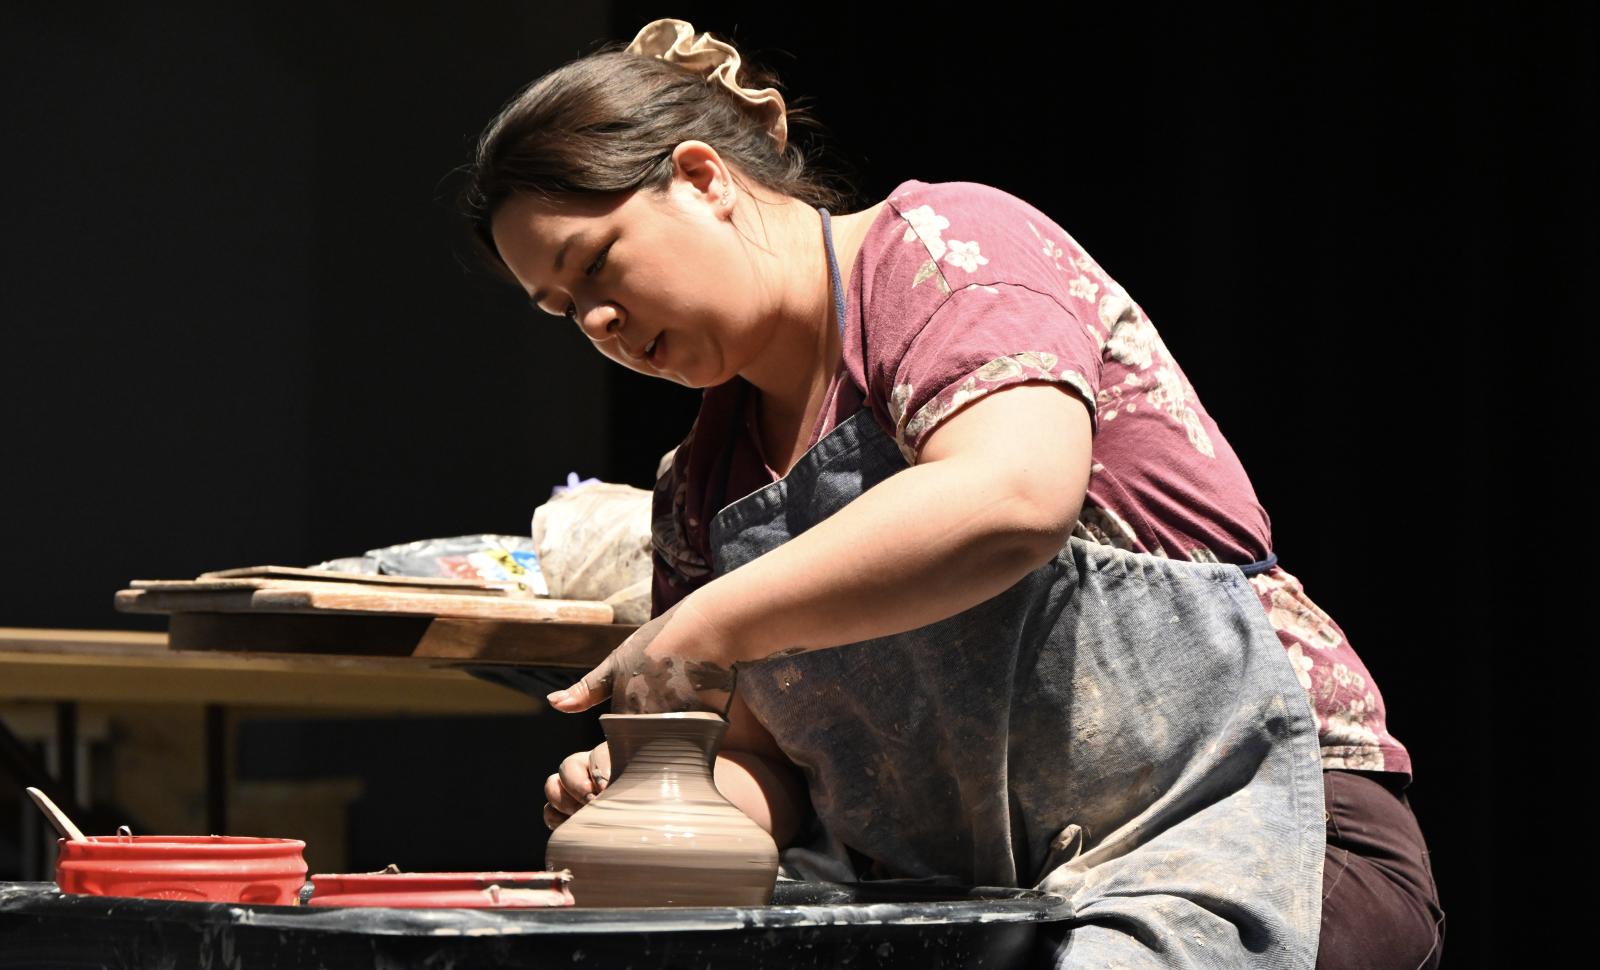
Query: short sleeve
column 969, row 291
column 982, row 338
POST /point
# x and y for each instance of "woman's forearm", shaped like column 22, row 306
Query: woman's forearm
column 994, row 497
column 772, row 795
column 995, row 494
column 921, row 546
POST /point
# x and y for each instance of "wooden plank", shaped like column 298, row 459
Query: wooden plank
column 301, row 682
column 268, row 582
column 574, row 645
column 567, row 645
column 23, row 637
column 358, row 600
column 326, row 633
column 335, row 576
column 427, row 604
column 371, row 663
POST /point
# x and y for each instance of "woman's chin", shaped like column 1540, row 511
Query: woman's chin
column 689, row 381
column 686, row 380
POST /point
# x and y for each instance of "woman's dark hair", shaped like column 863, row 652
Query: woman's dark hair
column 608, row 123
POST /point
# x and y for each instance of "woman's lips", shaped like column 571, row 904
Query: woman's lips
column 649, row 352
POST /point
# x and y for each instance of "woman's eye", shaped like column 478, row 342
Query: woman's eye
column 594, row 267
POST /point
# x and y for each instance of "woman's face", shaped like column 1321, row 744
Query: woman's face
column 659, row 281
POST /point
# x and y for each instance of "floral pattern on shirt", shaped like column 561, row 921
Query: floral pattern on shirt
column 999, row 373
column 925, row 225
column 1132, row 340
column 1348, row 707
column 1105, row 527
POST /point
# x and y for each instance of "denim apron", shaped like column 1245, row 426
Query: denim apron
column 1122, row 729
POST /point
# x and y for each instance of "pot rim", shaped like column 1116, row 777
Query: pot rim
column 666, row 716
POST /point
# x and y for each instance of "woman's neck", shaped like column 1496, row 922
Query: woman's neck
column 793, row 373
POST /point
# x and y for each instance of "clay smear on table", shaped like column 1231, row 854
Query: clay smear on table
column 661, row 834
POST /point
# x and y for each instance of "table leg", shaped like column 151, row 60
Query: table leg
column 216, row 769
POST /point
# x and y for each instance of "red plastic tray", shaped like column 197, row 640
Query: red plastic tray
column 206, row 868
column 413, row 890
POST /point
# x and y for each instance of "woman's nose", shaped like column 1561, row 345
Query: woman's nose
column 601, row 322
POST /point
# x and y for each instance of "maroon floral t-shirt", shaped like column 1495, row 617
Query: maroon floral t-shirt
column 962, row 289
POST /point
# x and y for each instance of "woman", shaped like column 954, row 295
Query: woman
column 981, row 588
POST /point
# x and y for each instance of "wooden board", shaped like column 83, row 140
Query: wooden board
column 579, row 646
column 341, row 634
column 139, row 666
column 270, row 582
column 335, row 576
column 348, row 598
column 136, row 642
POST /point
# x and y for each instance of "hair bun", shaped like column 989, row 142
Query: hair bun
column 675, row 41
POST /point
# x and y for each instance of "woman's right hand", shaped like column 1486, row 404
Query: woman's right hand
column 582, row 776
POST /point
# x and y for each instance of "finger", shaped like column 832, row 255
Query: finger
column 557, row 795
column 575, row 778
column 552, row 817
column 594, row 687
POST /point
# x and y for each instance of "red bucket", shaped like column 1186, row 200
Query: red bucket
column 202, row 868
column 415, row 890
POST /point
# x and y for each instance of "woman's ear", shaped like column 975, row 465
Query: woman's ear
column 700, row 167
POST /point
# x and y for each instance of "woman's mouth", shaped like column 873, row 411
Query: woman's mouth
column 651, row 348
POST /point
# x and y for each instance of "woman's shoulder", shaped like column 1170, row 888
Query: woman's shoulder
column 912, row 194
column 961, row 211
column 938, row 238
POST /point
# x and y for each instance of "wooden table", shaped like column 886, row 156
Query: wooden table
column 377, row 662
column 122, row 665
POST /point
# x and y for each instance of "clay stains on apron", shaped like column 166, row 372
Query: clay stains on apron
column 1123, row 729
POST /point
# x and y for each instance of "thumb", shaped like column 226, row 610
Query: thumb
column 594, row 687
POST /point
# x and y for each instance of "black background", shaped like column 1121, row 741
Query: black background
column 240, row 328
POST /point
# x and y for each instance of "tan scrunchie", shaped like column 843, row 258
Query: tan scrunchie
column 675, row 41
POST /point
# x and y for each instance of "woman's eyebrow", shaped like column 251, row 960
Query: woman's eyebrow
column 561, row 259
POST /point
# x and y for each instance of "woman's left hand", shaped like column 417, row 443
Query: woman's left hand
column 672, row 663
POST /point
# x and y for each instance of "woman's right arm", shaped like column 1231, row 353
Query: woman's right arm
column 751, row 772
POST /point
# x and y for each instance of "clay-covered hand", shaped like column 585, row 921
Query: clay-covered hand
column 675, row 662
column 581, row 778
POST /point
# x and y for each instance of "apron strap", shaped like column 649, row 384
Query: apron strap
column 833, row 271
column 725, row 460
column 1262, row 566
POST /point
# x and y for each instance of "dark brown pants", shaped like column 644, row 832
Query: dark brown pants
column 1380, row 907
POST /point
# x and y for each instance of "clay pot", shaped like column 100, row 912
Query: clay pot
column 661, row 834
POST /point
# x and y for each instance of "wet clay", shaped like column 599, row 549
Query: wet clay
column 661, row 834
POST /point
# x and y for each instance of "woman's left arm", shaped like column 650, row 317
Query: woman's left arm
column 995, row 493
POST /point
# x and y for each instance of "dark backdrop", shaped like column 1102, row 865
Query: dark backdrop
column 239, row 328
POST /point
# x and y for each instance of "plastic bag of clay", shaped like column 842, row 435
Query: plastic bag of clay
column 490, row 558
column 594, row 544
